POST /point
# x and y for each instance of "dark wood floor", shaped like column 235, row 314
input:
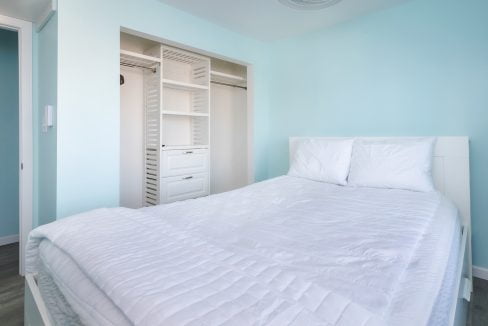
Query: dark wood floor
column 479, row 303
column 12, row 292
column 11, row 287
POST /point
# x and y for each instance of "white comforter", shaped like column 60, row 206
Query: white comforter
column 282, row 252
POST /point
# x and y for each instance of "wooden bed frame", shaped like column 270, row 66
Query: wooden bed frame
column 451, row 177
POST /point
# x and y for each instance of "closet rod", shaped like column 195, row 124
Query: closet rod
column 137, row 66
column 225, row 84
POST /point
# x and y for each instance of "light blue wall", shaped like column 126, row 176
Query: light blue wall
column 417, row 69
column 88, row 89
column 420, row 68
column 45, row 92
column 9, row 133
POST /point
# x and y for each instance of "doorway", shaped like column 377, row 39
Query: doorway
column 9, row 137
column 16, row 136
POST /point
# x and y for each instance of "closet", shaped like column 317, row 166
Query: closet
column 184, row 124
column 229, row 113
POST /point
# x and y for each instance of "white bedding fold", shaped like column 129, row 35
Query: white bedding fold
column 286, row 252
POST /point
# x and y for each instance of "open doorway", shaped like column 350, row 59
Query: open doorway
column 9, row 140
column 16, row 130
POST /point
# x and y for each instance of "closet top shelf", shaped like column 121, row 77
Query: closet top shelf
column 218, row 74
column 186, row 114
column 138, row 59
column 227, row 79
column 173, row 147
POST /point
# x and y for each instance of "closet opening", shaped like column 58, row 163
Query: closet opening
column 186, row 122
column 229, row 121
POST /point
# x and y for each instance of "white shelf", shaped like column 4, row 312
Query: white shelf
column 186, row 114
column 183, row 86
column 173, row 147
column 138, row 59
column 227, row 76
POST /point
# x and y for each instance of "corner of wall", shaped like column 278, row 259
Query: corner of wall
column 45, row 142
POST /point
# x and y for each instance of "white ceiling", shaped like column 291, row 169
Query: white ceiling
column 30, row 10
column 270, row 20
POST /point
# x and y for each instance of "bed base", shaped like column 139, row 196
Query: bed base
column 36, row 312
column 35, row 309
column 464, row 283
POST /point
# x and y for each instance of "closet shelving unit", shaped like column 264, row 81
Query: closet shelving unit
column 177, row 127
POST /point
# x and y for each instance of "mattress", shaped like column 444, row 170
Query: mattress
column 287, row 251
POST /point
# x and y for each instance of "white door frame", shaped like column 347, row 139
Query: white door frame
column 24, row 29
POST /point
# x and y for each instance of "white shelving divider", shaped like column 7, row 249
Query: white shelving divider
column 152, row 124
column 217, row 74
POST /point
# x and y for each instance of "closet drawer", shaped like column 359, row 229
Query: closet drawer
column 184, row 187
column 179, row 162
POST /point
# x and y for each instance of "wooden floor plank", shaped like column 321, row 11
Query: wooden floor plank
column 11, row 287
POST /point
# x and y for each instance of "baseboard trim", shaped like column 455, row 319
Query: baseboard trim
column 9, row 239
column 480, row 272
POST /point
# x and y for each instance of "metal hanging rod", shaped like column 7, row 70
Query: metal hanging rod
column 225, row 84
column 137, row 66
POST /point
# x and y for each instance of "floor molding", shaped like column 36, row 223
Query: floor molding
column 480, row 272
column 9, row 239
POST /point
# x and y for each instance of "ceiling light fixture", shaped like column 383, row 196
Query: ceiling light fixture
column 309, row 4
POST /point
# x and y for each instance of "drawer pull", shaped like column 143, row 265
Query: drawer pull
column 189, row 152
column 187, row 178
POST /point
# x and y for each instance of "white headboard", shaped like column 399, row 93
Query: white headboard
column 450, row 169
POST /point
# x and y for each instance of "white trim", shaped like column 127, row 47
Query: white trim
column 9, row 239
column 46, row 15
column 463, row 284
column 24, row 29
column 251, row 178
column 480, row 272
column 38, row 311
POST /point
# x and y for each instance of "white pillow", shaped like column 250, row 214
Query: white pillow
column 402, row 164
column 322, row 160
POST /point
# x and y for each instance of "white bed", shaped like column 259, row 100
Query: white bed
column 286, row 251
